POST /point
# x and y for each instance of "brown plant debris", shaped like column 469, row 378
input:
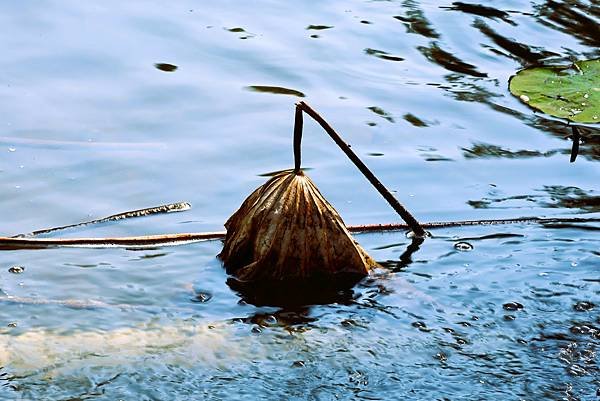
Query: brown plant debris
column 286, row 230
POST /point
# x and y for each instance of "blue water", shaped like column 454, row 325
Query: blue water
column 89, row 126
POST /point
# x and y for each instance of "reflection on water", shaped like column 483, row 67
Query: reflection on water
column 555, row 196
column 450, row 62
column 415, row 21
column 276, row 90
column 117, row 106
column 481, row 10
column 487, row 150
column 382, row 55
column 166, row 67
column 382, row 113
column 519, row 51
column 577, row 18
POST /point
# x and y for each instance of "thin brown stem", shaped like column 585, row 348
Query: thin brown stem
column 414, row 225
column 298, row 123
column 168, row 208
column 11, row 243
column 146, row 241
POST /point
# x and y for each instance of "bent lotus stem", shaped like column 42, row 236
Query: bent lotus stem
column 410, row 220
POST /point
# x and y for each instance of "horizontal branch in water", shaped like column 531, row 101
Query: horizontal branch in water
column 147, row 241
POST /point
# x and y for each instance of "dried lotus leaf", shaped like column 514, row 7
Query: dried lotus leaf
column 286, row 230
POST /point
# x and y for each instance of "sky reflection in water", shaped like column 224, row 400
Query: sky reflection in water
column 91, row 125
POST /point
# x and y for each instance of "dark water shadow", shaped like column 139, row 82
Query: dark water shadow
column 292, row 319
column 294, row 294
column 166, row 67
column 572, row 17
column 406, row 258
column 450, row 62
column 277, row 90
column 382, row 55
column 486, row 151
column 382, row 113
column 525, row 54
column 480, row 10
column 552, row 197
column 415, row 21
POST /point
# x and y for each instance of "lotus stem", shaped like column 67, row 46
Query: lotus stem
column 12, row 243
column 414, row 225
column 168, row 208
column 298, row 123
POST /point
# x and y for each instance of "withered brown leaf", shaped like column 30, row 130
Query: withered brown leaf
column 286, row 230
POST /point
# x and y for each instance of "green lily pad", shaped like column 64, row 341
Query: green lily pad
column 566, row 92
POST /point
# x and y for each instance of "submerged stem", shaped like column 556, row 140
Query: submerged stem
column 414, row 225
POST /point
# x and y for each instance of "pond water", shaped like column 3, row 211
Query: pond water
column 90, row 125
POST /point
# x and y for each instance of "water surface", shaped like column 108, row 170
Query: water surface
column 95, row 120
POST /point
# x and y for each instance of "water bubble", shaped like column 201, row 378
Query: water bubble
column 12, row 149
column 463, row 246
column 512, row 306
column 256, row 329
column 298, row 364
column 202, row 297
column 411, row 234
column 12, row 324
column 16, row 269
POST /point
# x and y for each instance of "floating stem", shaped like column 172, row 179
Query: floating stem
column 168, row 208
column 147, row 241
